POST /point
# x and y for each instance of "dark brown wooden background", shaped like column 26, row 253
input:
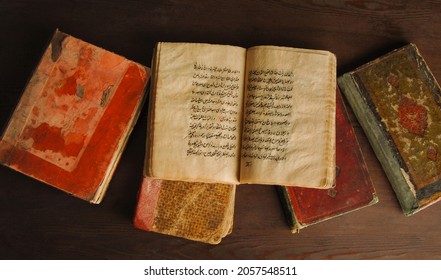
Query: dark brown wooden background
column 40, row 222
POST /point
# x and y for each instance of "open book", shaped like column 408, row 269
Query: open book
column 232, row 115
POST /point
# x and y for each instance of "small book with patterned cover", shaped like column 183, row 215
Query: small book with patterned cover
column 196, row 211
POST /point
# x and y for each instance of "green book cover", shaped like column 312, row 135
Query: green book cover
column 398, row 104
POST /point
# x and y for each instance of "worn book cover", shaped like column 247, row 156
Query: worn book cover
column 353, row 188
column 196, row 211
column 398, row 103
column 226, row 114
column 74, row 117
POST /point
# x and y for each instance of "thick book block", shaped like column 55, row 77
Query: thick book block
column 196, row 211
column 74, row 117
column 398, row 103
column 226, row 114
column 353, row 188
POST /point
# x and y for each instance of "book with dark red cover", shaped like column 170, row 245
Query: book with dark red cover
column 196, row 211
column 74, row 117
column 397, row 101
column 353, row 187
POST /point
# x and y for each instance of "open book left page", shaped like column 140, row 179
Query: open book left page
column 196, row 211
column 195, row 112
column 74, row 117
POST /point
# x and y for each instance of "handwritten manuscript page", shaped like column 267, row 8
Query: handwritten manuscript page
column 289, row 117
column 196, row 120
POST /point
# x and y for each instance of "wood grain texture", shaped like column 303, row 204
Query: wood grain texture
column 39, row 222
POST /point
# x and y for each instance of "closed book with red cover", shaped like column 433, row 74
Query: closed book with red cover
column 74, row 117
column 353, row 186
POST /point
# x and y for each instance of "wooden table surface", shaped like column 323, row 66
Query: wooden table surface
column 40, row 222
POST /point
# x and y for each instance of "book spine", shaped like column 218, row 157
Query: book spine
column 288, row 210
column 137, row 69
column 148, row 169
column 381, row 144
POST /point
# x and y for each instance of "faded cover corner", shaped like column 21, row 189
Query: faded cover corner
column 148, row 195
column 353, row 186
column 74, row 117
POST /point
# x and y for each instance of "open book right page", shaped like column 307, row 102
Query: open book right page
column 289, row 117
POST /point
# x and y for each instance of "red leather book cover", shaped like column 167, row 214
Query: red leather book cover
column 353, row 186
column 74, row 117
column 196, row 211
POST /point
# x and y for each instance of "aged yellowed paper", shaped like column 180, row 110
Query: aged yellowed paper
column 289, row 117
column 197, row 101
